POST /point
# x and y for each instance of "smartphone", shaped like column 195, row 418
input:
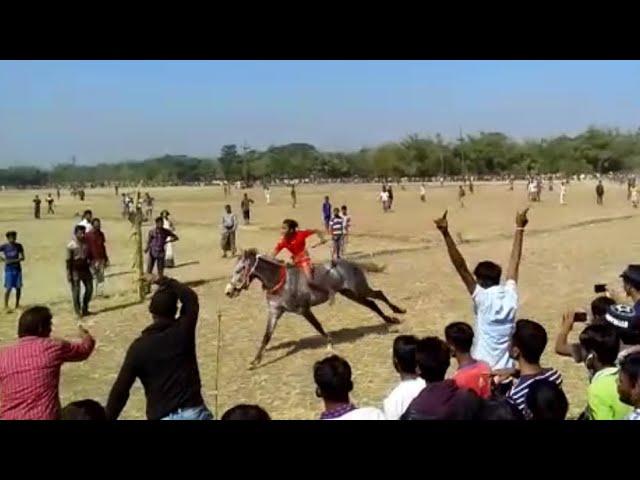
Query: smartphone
column 600, row 287
column 580, row 317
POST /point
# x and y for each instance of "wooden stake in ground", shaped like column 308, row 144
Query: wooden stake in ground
column 143, row 287
column 218, row 345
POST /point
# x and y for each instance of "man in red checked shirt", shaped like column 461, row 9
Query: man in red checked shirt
column 295, row 241
column 30, row 368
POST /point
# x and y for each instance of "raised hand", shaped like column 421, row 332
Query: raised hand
column 521, row 218
column 441, row 223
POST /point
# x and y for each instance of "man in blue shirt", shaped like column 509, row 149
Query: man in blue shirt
column 12, row 255
column 326, row 214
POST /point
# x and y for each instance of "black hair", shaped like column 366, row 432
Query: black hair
column 245, row 412
column 326, row 197
column 336, row 211
column 94, row 220
column 333, row 378
column 11, row 233
column 83, row 410
column 79, row 228
column 546, row 401
column 630, row 366
column 459, row 335
column 343, row 207
column 291, row 224
column 159, row 220
column 227, row 207
column 164, row 303
column 633, row 283
column 488, row 273
column 433, row 358
column 531, row 339
column 501, row 409
column 600, row 305
column 603, row 340
column 35, row 322
column 404, row 353
column 87, row 212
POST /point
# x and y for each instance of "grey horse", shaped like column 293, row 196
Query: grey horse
column 287, row 290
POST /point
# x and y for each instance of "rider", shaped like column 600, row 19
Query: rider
column 295, row 241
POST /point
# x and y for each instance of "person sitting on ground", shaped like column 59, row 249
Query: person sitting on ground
column 495, row 305
column 404, row 362
column 599, row 308
column 30, row 368
column 629, row 383
column 83, row 410
column 601, row 345
column 472, row 374
column 526, row 347
column 332, row 376
column 164, row 358
column 440, row 399
column 245, row 412
column 545, row 400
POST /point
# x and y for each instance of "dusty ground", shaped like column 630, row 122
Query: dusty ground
column 567, row 250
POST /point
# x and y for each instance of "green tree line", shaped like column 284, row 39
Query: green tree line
column 595, row 150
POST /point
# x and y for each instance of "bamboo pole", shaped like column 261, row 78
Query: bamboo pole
column 143, row 287
column 218, row 346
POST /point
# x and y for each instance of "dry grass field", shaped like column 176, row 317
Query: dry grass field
column 566, row 250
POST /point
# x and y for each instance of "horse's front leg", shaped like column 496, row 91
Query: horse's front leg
column 272, row 321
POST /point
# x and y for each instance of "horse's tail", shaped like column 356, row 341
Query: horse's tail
column 370, row 267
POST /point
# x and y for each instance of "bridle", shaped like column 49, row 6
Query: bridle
column 248, row 274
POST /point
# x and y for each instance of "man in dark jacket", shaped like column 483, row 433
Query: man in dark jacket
column 441, row 399
column 164, row 359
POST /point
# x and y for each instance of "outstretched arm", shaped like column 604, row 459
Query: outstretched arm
column 454, row 254
column 516, row 251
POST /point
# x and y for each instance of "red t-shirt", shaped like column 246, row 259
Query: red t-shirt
column 475, row 377
column 96, row 245
column 296, row 243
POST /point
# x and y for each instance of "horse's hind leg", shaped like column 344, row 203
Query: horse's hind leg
column 311, row 318
column 379, row 295
column 370, row 304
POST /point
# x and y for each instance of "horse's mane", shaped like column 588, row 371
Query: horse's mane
column 253, row 252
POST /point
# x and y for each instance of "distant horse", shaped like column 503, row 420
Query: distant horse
column 287, row 290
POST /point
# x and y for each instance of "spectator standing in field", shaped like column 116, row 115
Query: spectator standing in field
column 12, row 256
column 563, row 193
column 97, row 251
column 148, row 202
column 79, row 271
column 36, row 206
column 294, row 196
column 246, row 412
column 599, row 308
column 635, row 199
column 423, row 193
column 347, row 229
column 117, row 188
column 332, row 376
column 124, row 202
column 50, row 205
column 86, row 221
column 461, row 195
column 472, row 374
column 495, row 305
column 30, row 368
column 527, row 345
column 337, row 234
column 81, row 195
column 599, row 193
column 156, row 246
column 164, row 358
column 326, row 214
column 58, row 193
column 440, row 399
column 546, row 401
column 471, row 185
column 228, row 236
column 267, row 194
column 170, row 256
column 629, row 383
column 601, row 345
column 404, row 362
column 384, row 199
column 390, row 192
column 83, row 410
column 245, row 206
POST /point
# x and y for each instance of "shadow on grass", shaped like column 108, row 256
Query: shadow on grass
column 113, row 308
column 118, row 274
column 204, row 281
column 344, row 335
column 184, row 264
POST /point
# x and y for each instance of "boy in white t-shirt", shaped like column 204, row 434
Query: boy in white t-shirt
column 494, row 305
column 333, row 384
column 404, row 361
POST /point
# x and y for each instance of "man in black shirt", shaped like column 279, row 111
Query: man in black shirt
column 164, row 359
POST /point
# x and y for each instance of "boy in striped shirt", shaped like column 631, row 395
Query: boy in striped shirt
column 527, row 345
column 336, row 226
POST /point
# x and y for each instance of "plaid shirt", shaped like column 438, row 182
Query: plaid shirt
column 30, row 376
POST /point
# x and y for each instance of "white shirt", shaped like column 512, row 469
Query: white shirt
column 364, row 413
column 346, row 220
column 86, row 224
column 384, row 196
column 495, row 309
column 422, row 191
column 401, row 397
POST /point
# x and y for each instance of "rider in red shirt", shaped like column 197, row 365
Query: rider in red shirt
column 295, row 241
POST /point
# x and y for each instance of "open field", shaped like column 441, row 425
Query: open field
column 566, row 250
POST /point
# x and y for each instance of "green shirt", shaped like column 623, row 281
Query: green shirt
column 603, row 402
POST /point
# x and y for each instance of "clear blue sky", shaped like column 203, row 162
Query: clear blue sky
column 105, row 111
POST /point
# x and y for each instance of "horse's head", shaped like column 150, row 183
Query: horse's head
column 242, row 273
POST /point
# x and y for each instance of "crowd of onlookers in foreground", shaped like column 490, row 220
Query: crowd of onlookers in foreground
column 498, row 374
